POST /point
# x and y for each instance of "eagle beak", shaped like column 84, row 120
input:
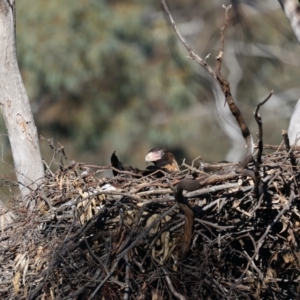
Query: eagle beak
column 148, row 158
column 153, row 156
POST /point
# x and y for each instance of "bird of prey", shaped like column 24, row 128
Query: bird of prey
column 162, row 159
column 120, row 166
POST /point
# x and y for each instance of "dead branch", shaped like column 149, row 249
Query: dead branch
column 169, row 282
column 260, row 144
column 288, row 147
column 100, row 240
column 260, row 128
column 222, row 82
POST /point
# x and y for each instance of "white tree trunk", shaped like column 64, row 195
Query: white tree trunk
column 15, row 106
column 292, row 12
column 294, row 127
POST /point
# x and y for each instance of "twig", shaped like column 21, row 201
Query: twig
column 171, row 287
column 223, row 83
column 259, row 143
column 261, row 240
column 195, row 159
column 259, row 123
column 288, row 148
column 212, row 189
column 127, row 275
column 277, row 147
column 104, row 280
column 155, row 192
column 43, row 195
column 193, row 169
column 250, row 259
column 132, row 245
column 140, row 266
column 218, row 166
column 145, row 232
column 47, row 168
column 118, row 193
column 219, row 58
column 214, row 225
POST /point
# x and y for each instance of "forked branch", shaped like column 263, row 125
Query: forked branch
column 223, row 83
column 260, row 129
column 259, row 144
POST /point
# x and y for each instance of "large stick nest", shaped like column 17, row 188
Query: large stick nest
column 80, row 236
column 88, row 237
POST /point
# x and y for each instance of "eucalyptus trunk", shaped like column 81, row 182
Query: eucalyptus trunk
column 15, row 106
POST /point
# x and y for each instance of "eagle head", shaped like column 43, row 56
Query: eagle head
column 163, row 159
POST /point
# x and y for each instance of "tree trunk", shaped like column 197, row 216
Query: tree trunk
column 292, row 12
column 15, row 106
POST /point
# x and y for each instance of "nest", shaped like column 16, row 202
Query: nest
column 88, row 237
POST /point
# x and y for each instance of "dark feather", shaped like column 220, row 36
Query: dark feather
column 116, row 164
column 120, row 166
column 163, row 159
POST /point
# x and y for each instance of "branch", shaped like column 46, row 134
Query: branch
column 222, row 30
column 223, row 83
column 171, row 287
column 288, row 148
column 259, row 123
column 269, row 227
column 259, row 144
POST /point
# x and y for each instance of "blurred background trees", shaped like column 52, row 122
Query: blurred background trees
column 111, row 75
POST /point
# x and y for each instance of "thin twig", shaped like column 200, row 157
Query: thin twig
column 259, row 123
column 288, row 147
column 127, row 276
column 171, row 287
column 259, row 143
column 262, row 239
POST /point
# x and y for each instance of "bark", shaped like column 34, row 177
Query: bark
column 292, row 11
column 294, row 127
column 15, row 106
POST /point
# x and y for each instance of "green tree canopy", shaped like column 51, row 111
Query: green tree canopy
column 110, row 75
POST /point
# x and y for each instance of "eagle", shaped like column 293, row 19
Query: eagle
column 162, row 159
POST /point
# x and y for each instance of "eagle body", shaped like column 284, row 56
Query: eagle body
column 162, row 159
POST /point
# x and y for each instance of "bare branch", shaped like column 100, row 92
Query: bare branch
column 259, row 123
column 258, row 161
column 169, row 282
column 223, row 83
column 222, row 30
column 288, row 147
